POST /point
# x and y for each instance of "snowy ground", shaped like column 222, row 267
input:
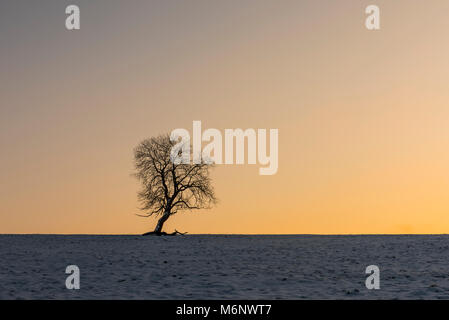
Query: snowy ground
column 224, row 267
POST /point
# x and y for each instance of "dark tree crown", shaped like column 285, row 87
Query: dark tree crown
column 168, row 187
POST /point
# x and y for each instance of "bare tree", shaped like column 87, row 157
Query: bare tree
column 168, row 187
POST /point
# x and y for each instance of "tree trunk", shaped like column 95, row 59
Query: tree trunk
column 161, row 222
column 158, row 230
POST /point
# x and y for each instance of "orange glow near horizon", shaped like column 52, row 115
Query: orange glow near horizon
column 363, row 116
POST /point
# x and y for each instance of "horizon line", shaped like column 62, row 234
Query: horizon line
column 233, row 234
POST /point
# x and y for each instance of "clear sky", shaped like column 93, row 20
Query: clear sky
column 363, row 116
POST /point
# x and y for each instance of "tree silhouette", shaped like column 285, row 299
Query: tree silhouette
column 168, row 187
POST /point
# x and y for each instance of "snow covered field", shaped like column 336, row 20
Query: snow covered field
column 224, row 267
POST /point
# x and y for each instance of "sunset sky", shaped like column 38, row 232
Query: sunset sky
column 363, row 116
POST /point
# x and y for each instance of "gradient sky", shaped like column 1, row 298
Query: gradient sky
column 363, row 116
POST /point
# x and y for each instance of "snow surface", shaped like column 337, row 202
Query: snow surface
column 224, row 267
